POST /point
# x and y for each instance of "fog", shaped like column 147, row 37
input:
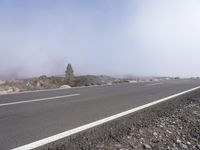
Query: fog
column 113, row 37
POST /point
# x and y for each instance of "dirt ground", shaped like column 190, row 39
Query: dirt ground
column 52, row 82
column 44, row 82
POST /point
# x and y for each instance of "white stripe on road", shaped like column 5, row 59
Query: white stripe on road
column 154, row 84
column 40, row 99
column 96, row 123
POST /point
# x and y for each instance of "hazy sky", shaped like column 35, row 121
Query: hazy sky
column 114, row 37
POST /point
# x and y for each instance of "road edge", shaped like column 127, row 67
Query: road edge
column 101, row 122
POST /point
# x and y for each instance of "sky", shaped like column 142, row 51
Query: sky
column 112, row 37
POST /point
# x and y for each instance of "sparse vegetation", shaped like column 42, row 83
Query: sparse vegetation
column 45, row 82
column 69, row 73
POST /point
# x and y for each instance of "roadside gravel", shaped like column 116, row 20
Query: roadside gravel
column 178, row 131
column 171, row 125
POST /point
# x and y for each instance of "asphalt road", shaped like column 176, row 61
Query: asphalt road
column 29, row 117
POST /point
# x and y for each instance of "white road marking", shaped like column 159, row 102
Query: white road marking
column 96, row 123
column 154, row 84
column 37, row 100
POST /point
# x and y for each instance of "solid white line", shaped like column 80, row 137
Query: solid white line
column 37, row 100
column 154, row 84
column 96, row 123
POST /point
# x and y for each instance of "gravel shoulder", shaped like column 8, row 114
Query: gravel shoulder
column 171, row 125
column 181, row 130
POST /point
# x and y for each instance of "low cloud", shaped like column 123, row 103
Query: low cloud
column 102, row 37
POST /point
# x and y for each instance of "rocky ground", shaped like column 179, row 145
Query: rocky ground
column 171, row 125
column 44, row 82
column 179, row 131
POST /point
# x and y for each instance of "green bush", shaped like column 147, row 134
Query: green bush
column 69, row 73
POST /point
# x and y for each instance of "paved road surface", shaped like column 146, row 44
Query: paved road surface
column 28, row 117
